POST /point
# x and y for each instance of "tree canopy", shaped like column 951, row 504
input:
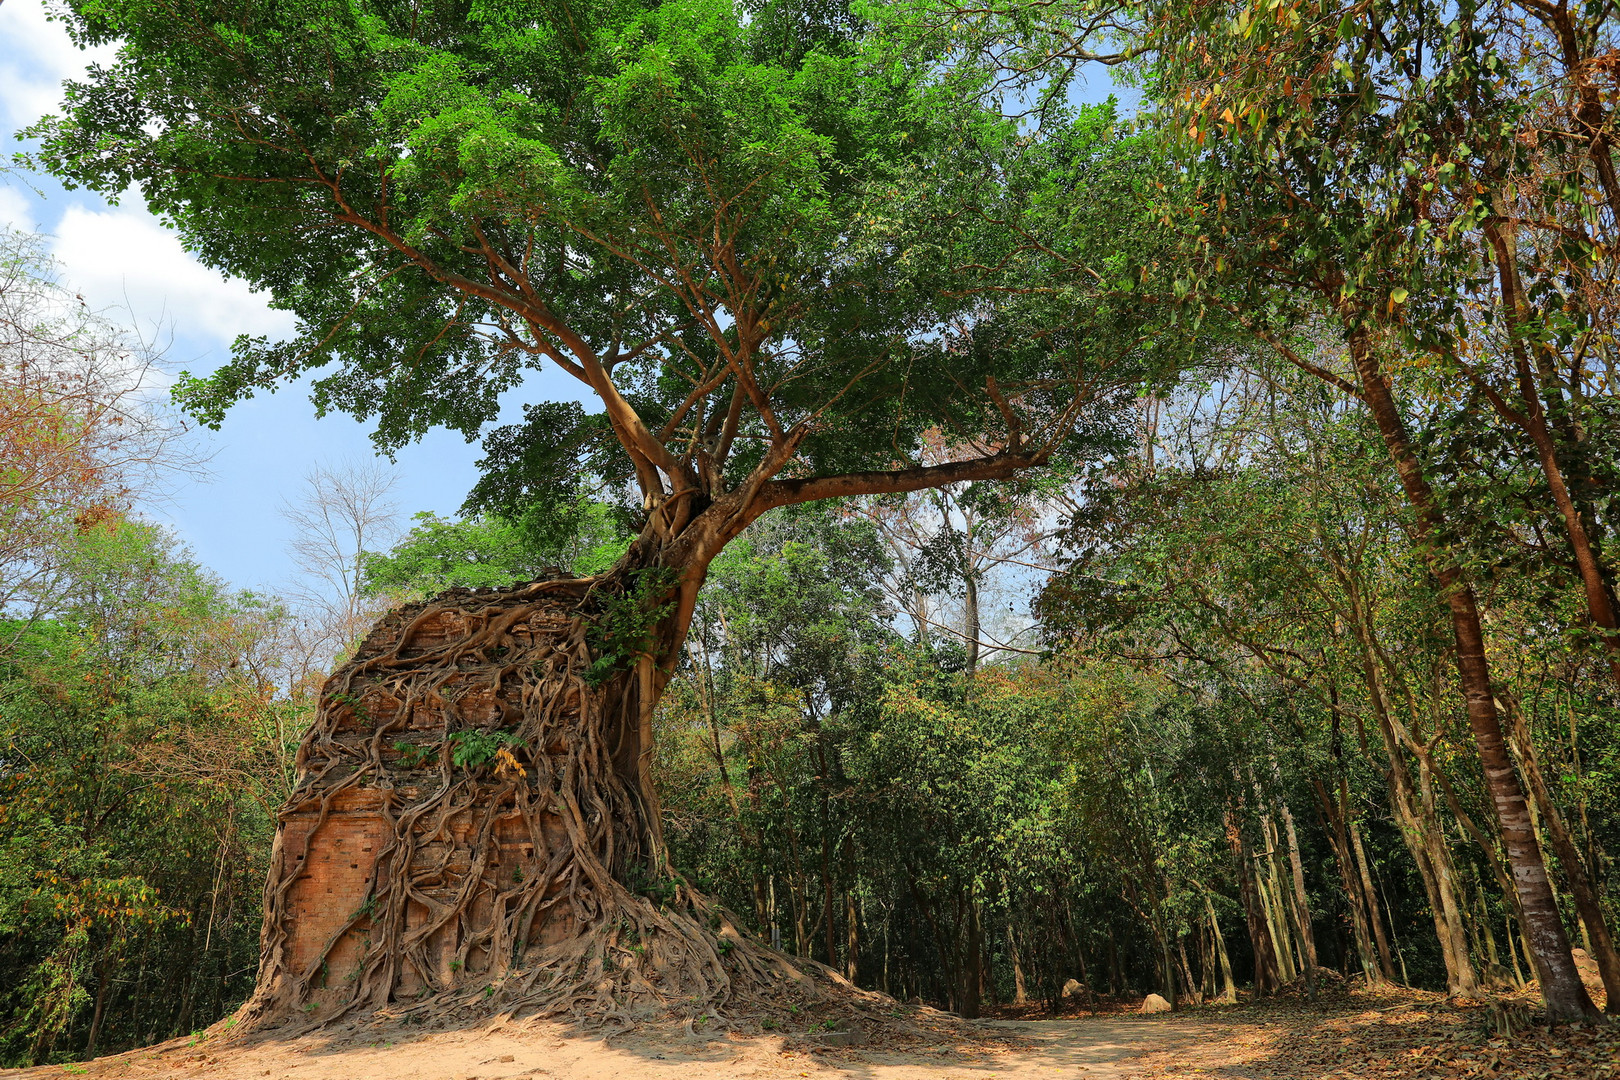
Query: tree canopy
column 774, row 257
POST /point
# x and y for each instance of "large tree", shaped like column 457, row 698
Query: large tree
column 773, row 261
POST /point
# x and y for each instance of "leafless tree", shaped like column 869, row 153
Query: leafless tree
column 954, row 549
column 339, row 512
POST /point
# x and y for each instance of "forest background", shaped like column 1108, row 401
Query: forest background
column 1230, row 748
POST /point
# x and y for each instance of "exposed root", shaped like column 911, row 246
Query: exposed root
column 472, row 831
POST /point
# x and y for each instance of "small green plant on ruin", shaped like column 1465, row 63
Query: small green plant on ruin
column 475, row 749
column 354, row 704
column 624, row 629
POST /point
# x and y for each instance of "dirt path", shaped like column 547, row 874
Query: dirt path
column 1097, row 1049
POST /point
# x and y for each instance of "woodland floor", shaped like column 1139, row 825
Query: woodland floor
column 1381, row 1036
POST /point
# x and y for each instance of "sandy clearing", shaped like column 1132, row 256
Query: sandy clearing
column 1099, row 1048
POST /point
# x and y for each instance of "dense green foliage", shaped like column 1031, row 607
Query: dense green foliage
column 490, row 551
column 746, row 236
column 142, row 759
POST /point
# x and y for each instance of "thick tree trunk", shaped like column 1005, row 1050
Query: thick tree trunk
column 474, row 823
column 1581, row 888
column 1564, row 994
column 973, row 969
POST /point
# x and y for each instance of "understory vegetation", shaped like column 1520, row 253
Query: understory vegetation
column 1075, row 551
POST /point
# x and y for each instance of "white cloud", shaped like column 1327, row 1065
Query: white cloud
column 122, row 257
column 118, row 257
column 38, row 56
column 15, row 209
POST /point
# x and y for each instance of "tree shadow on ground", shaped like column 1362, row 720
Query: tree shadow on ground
column 1390, row 1035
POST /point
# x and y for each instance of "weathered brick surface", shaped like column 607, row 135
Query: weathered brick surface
column 336, row 866
column 458, row 864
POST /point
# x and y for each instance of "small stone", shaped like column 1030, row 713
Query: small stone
column 508, row 1057
column 847, row 1036
column 1153, row 1003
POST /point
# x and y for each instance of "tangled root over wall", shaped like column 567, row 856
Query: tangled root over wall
column 470, row 827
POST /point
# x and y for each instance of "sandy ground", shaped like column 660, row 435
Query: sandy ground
column 1407, row 1036
column 1100, row 1048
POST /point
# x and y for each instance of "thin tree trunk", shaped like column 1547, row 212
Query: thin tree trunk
column 1186, row 972
column 1513, row 952
column 1420, row 828
column 852, row 947
column 1020, row 988
column 1302, row 906
column 1354, row 898
column 1167, row 966
column 1276, row 921
column 1229, row 991
column 1532, row 420
column 970, row 617
column 1265, row 956
column 829, row 903
column 945, row 947
column 751, row 844
column 1116, row 979
column 104, row 969
column 1497, row 971
column 1562, row 990
column 1385, row 960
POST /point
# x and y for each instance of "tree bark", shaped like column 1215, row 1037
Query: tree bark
column 1302, row 906
column 1581, row 888
column 852, row 922
column 1229, row 987
column 1186, row 972
column 103, row 988
column 1333, row 821
column 970, row 618
column 1415, row 814
column 1265, row 956
column 1385, row 961
column 1020, row 989
column 1532, row 420
column 973, row 968
column 1564, row 994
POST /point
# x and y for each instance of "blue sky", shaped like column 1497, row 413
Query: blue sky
column 123, row 261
